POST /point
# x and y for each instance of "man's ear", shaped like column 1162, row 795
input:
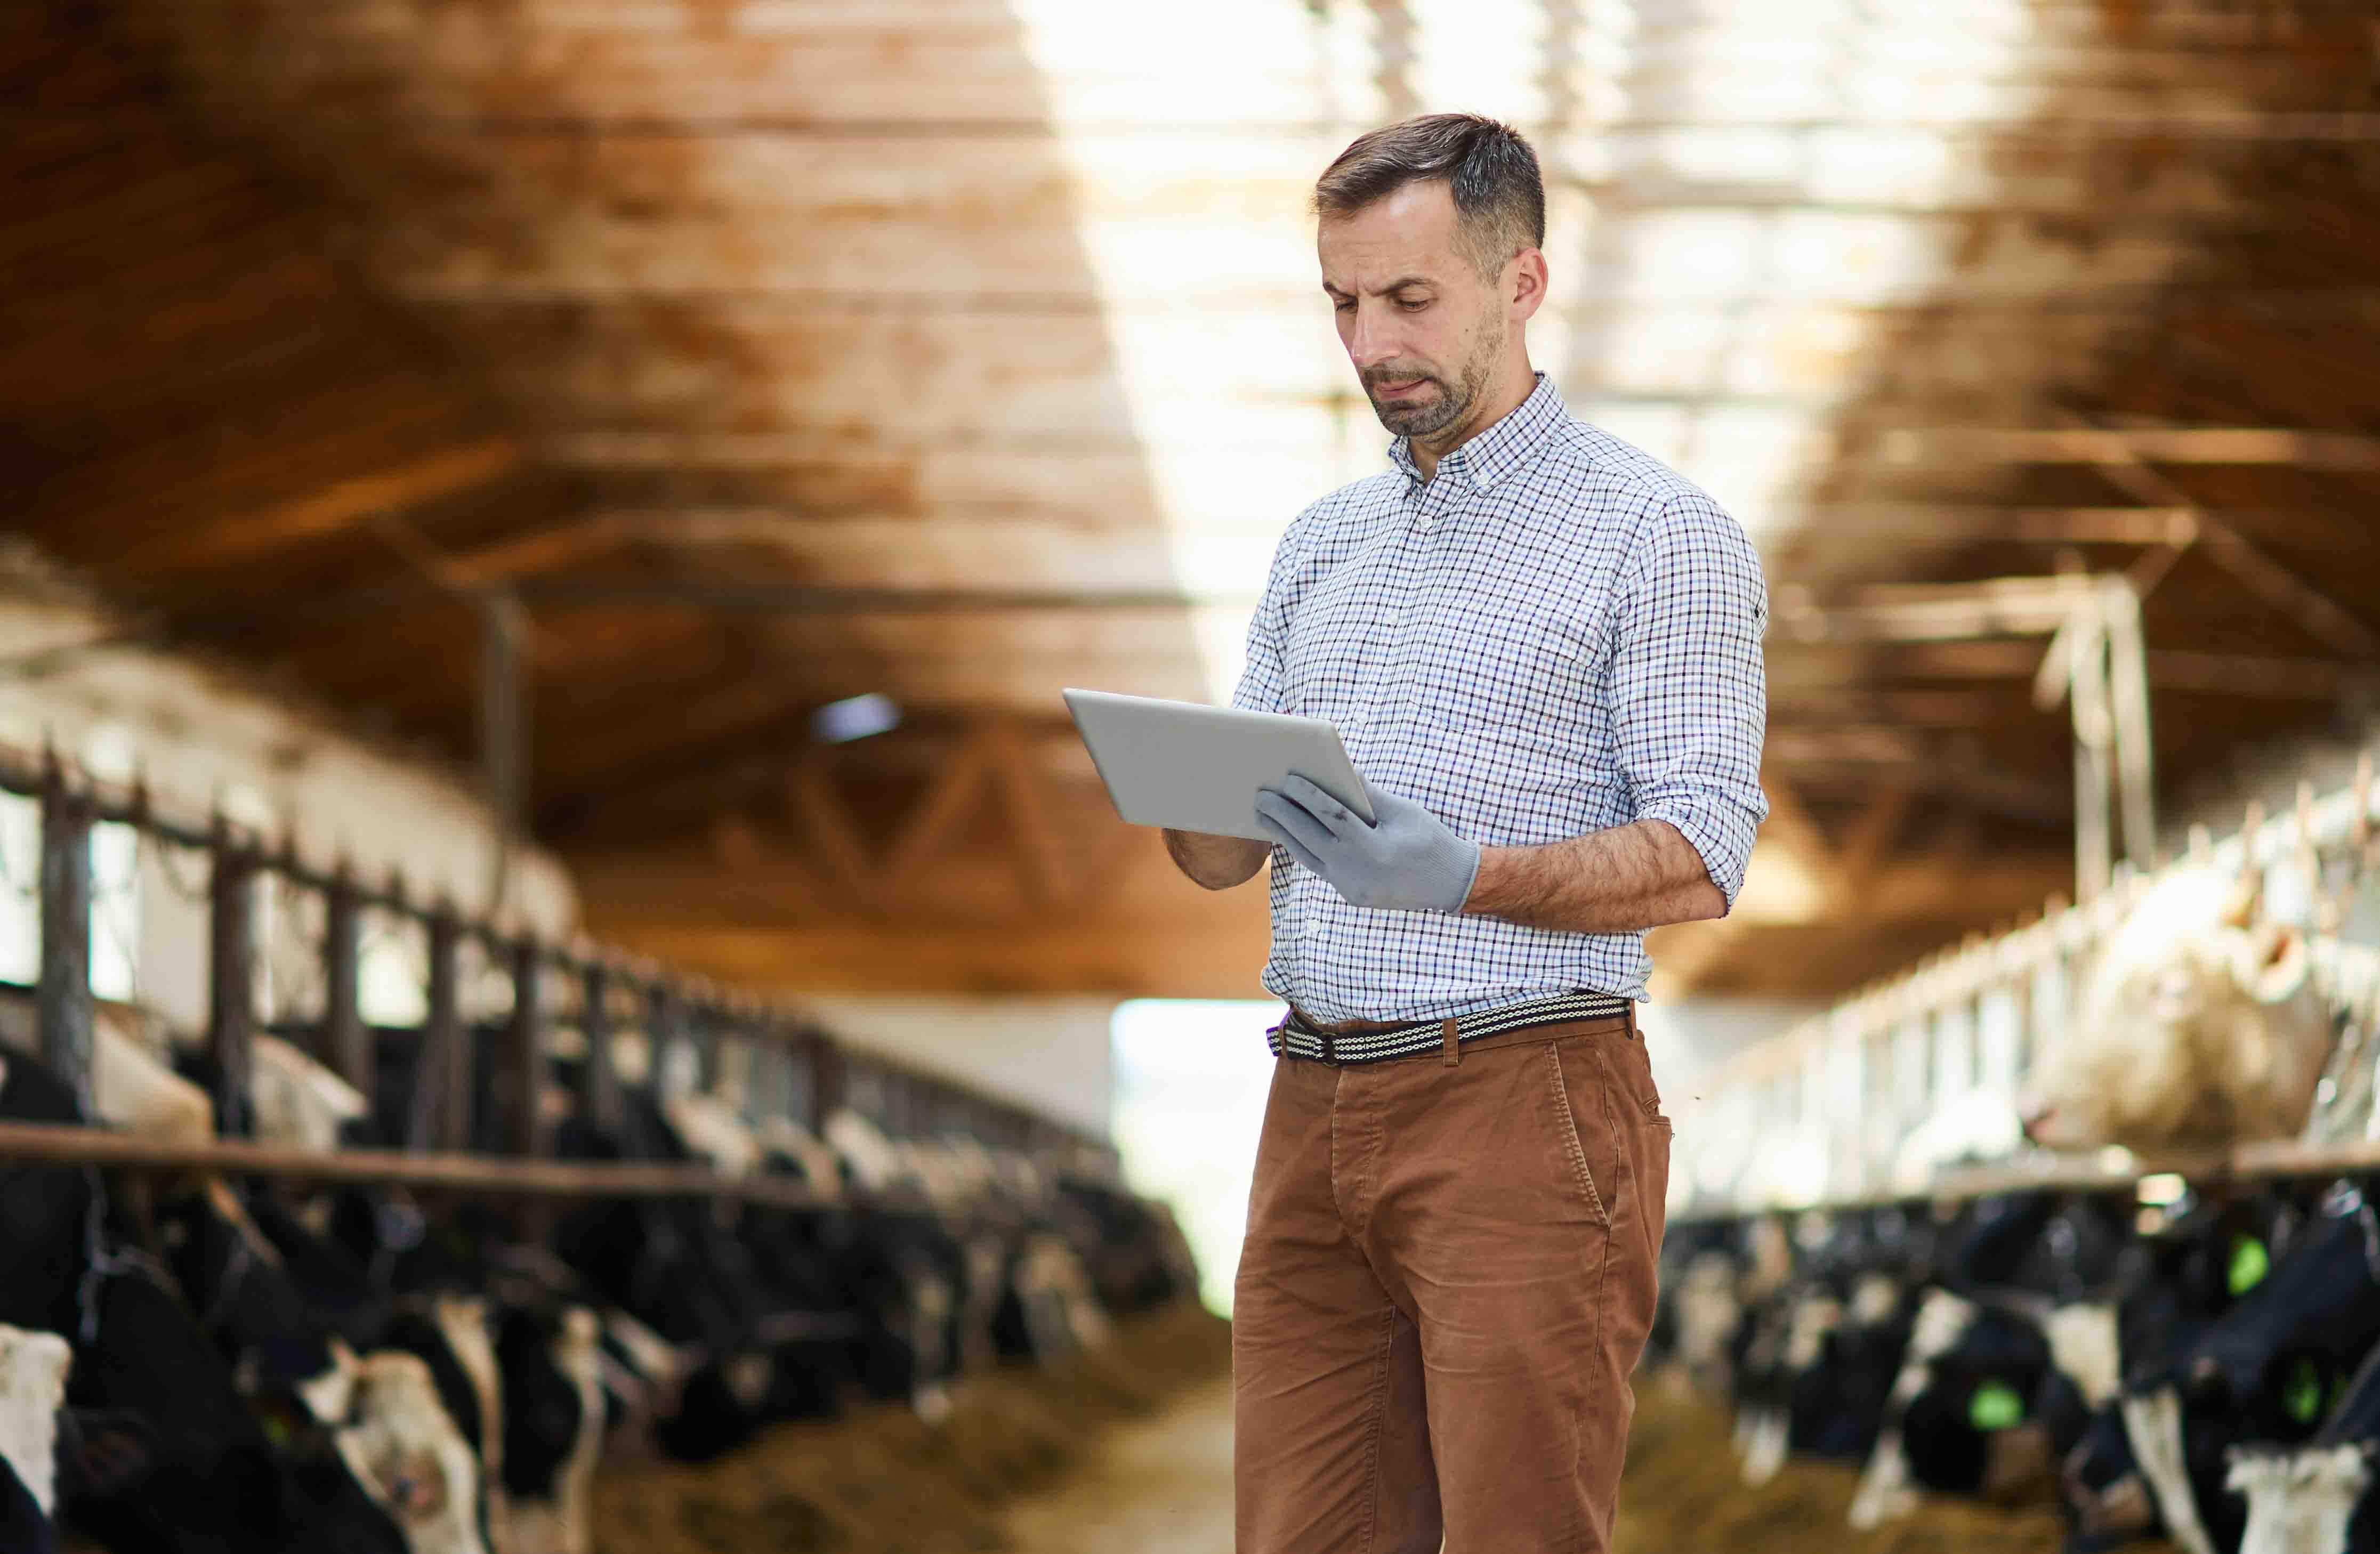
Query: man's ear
column 1528, row 281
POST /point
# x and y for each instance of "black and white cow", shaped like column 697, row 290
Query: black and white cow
column 33, row 1389
column 2317, row 1499
column 2179, row 1277
column 2008, row 1356
column 161, row 1450
column 2267, row 1371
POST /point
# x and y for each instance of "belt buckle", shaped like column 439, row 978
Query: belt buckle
column 1329, row 1047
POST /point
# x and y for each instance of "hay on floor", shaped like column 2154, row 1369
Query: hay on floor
column 1684, row 1491
column 881, row 1481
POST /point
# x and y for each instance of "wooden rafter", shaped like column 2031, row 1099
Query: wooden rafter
column 2127, row 467
column 2336, row 451
column 345, row 503
column 1041, row 859
column 930, row 828
column 827, row 825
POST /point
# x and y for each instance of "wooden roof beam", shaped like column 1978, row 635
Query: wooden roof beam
column 1935, row 612
column 2127, row 467
column 2338, row 452
column 340, row 505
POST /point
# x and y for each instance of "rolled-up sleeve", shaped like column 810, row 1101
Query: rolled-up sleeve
column 1689, row 690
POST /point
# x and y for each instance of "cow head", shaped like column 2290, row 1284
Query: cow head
column 408, row 1453
column 555, row 1423
column 33, row 1388
column 2194, row 1030
column 2106, row 1499
column 2300, row 1500
column 298, row 1102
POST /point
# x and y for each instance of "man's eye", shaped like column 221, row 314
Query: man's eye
column 1343, row 307
column 1411, row 307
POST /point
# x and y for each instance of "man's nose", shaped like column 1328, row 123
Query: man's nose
column 1370, row 341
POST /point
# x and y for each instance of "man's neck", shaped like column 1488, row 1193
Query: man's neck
column 1511, row 392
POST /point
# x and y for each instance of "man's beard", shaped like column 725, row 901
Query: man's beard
column 1453, row 401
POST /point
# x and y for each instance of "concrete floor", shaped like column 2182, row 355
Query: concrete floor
column 1162, row 1485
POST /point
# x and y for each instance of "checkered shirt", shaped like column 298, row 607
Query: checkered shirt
column 1554, row 635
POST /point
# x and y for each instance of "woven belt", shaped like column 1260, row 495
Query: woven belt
column 1294, row 1039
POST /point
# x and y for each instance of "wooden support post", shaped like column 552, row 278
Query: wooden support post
column 522, row 1084
column 441, row 1078
column 603, row 1096
column 231, row 1024
column 504, row 730
column 347, row 1045
column 2094, row 737
column 64, row 1001
column 2128, row 699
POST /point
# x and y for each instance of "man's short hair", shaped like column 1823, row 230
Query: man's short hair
column 1500, row 199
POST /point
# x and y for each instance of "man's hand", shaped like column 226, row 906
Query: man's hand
column 1406, row 860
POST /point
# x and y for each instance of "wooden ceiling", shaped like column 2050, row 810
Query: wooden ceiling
column 778, row 351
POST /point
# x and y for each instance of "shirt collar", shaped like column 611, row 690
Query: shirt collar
column 1503, row 447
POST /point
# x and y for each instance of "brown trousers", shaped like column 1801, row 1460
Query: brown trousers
column 1448, row 1276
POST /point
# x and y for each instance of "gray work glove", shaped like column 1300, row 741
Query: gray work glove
column 1407, row 860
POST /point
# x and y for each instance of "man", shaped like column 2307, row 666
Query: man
column 1542, row 647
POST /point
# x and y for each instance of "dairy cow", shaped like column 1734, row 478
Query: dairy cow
column 2008, row 1355
column 2196, row 1027
column 2179, row 1278
column 162, row 1450
column 2317, row 1498
column 33, row 1389
column 2267, row 1371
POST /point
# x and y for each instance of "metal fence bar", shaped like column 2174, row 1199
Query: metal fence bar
column 602, row 1083
column 524, row 1068
column 345, row 1044
column 231, row 1002
column 441, row 1075
column 63, row 1003
column 441, row 1111
column 43, row 1143
column 1987, row 1016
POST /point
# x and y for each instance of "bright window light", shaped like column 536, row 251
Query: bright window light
column 20, row 887
column 1191, row 1077
column 855, row 717
column 115, row 911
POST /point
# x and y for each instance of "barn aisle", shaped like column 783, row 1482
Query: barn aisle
column 1157, row 1485
column 1163, row 1486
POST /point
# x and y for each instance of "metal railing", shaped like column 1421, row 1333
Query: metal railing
column 787, row 1066
column 1815, row 1117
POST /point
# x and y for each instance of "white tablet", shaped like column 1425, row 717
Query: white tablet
column 1189, row 766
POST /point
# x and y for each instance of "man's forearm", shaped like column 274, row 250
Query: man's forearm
column 1216, row 862
column 1622, row 881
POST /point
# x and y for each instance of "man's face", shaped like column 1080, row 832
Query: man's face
column 1422, row 326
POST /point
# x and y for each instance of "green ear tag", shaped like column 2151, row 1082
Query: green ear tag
column 2250, row 1263
column 2302, row 1397
column 1995, row 1406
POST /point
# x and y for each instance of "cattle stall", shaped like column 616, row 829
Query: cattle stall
column 303, row 1280
column 2068, row 1239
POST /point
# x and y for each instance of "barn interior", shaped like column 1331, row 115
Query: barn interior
column 635, row 476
